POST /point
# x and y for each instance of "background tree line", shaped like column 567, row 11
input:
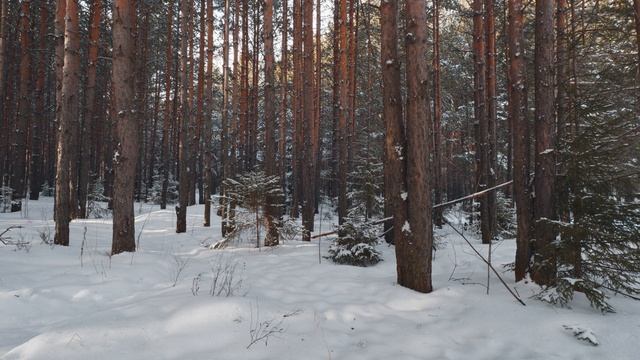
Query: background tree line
column 380, row 108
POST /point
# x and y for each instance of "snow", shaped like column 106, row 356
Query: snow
column 584, row 334
column 404, row 195
column 130, row 306
column 406, row 227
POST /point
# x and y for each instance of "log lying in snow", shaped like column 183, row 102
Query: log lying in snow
column 468, row 197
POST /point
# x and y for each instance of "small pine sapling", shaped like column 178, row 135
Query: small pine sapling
column 251, row 191
column 356, row 245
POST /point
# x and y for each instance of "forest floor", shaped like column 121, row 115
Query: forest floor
column 77, row 302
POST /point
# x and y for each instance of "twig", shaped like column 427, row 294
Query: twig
column 485, row 260
column 6, row 231
column 474, row 195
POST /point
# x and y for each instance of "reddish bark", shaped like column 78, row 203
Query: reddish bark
column 518, row 119
column 38, row 127
column 126, row 126
column 308, row 170
column 23, row 117
column 414, row 248
column 185, row 78
column 272, row 212
column 545, row 148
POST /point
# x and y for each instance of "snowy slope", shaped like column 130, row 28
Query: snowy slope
column 127, row 307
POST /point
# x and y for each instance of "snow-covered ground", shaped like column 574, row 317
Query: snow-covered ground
column 78, row 303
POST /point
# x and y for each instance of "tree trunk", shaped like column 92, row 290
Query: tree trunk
column 297, row 109
column 225, row 136
column 68, row 115
column 414, row 248
column 491, row 147
column 317, row 138
column 185, row 169
column 23, row 119
column 636, row 7
column 308, row 170
column 272, row 212
column 545, row 149
column 126, row 153
column 282, row 144
column 243, row 136
column 343, row 115
column 518, row 119
column 437, row 116
column 166, row 125
column 208, row 132
column 480, row 116
column 394, row 141
column 4, row 119
column 90, row 94
column 38, row 127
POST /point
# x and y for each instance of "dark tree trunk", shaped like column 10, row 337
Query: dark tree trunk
column 343, row 113
column 518, row 119
column 308, row 170
column 414, row 248
column 394, row 141
column 272, row 212
column 437, row 116
column 38, row 127
column 636, row 7
column 126, row 152
column 4, row 119
column 185, row 169
column 208, row 132
column 90, row 94
column 297, row 109
column 168, row 106
column 545, row 148
column 23, row 119
column 491, row 147
column 282, row 141
column 68, row 115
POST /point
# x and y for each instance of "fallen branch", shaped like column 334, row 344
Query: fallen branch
column 474, row 195
column 4, row 241
column 487, row 262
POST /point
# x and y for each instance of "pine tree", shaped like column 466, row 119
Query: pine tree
column 126, row 152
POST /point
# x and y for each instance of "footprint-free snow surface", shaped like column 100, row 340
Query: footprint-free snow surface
column 76, row 302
